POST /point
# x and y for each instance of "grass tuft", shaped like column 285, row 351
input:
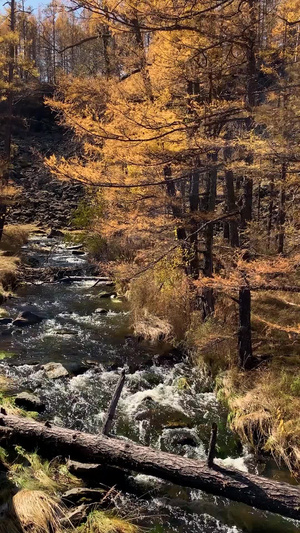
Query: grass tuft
column 29, row 471
column 100, row 522
column 36, row 511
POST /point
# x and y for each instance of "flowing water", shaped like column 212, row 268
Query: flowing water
column 169, row 408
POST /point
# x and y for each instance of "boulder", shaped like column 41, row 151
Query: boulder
column 27, row 318
column 55, row 370
column 101, row 311
column 76, row 369
column 107, row 294
column 5, row 321
column 29, row 402
column 169, row 358
column 54, row 233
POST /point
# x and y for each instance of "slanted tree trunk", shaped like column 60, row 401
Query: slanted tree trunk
column 238, row 486
column 244, row 333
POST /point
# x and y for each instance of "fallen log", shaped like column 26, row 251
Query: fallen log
column 256, row 491
column 98, row 279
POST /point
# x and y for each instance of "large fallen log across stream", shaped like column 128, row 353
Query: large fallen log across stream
column 256, row 491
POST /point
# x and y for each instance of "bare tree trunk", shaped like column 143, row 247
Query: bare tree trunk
column 281, row 211
column 143, row 60
column 270, row 212
column 238, row 486
column 208, row 294
column 231, row 202
column 8, row 131
column 244, row 333
column 175, row 207
column 194, row 206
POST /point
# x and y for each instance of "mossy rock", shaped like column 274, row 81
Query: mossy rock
column 6, row 355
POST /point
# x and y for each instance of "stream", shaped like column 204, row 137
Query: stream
column 168, row 407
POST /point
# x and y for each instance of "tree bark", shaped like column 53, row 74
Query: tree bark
column 194, row 206
column 281, row 211
column 244, row 332
column 230, row 202
column 208, row 295
column 247, row 488
column 175, row 207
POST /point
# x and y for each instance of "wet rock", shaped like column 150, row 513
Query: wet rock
column 5, row 321
column 76, row 369
column 54, row 233
column 27, row 318
column 78, row 252
column 66, row 332
column 7, row 332
column 188, row 441
column 91, row 363
column 101, row 311
column 55, row 370
column 29, row 402
column 107, row 294
column 170, row 358
column 32, row 261
column 82, row 494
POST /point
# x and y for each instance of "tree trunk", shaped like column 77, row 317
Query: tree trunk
column 194, row 206
column 281, row 211
column 270, row 212
column 208, row 294
column 175, row 207
column 247, row 488
column 244, row 332
column 230, row 202
column 3, row 210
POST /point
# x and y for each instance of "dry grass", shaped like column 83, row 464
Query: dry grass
column 15, row 236
column 36, row 512
column 265, row 409
column 213, row 343
column 100, row 522
column 161, row 303
column 29, row 471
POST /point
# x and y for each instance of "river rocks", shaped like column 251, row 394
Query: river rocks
column 27, row 318
column 76, row 369
column 55, row 370
column 29, row 402
column 101, row 311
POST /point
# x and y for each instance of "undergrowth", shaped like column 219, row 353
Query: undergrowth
column 100, row 522
column 161, row 302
